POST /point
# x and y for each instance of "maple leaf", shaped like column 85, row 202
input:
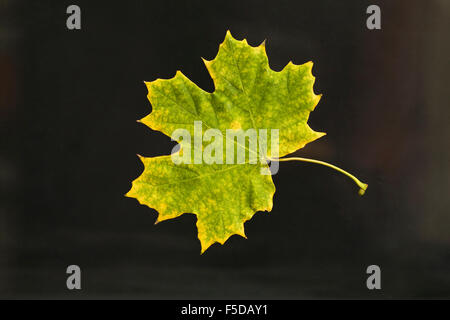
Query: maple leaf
column 248, row 95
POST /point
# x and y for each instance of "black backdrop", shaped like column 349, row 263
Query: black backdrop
column 69, row 139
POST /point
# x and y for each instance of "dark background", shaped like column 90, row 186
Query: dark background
column 69, row 101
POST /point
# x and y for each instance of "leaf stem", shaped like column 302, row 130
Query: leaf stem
column 361, row 185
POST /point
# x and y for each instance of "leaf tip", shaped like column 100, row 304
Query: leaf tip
column 206, row 62
column 142, row 158
column 242, row 234
column 229, row 37
column 204, row 246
